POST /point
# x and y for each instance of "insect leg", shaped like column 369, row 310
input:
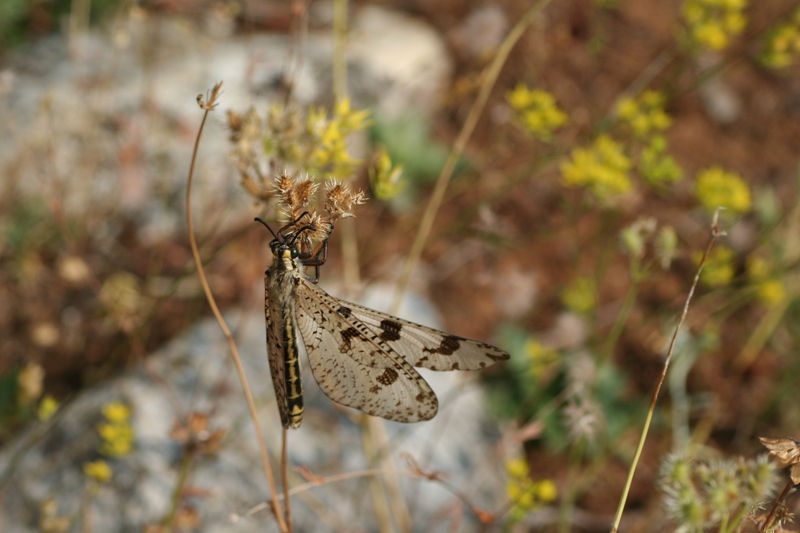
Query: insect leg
column 318, row 260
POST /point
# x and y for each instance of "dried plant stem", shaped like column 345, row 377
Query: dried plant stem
column 489, row 80
column 351, row 274
column 716, row 232
column 208, row 105
column 287, row 506
column 778, row 503
column 339, row 45
column 387, row 497
column 386, row 493
column 413, row 472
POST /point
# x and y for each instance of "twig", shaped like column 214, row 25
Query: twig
column 285, row 477
column 716, row 232
column 413, row 472
column 208, row 104
column 778, row 503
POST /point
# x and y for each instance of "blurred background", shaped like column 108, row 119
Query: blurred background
column 569, row 235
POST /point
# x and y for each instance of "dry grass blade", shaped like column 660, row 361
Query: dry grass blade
column 716, row 232
column 490, row 78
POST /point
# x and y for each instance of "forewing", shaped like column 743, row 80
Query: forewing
column 356, row 367
column 423, row 346
column 272, row 311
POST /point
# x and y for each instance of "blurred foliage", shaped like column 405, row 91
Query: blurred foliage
column 410, row 143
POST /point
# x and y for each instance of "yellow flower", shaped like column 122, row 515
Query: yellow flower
column 524, row 493
column 536, row 111
column 769, row 289
column 782, row 46
column 717, row 188
column 117, row 448
column 711, row 34
column 644, row 114
column 713, row 23
column 545, row 490
column 98, row 470
column 116, row 412
column 116, row 433
column 47, row 408
column 771, row 292
column 517, row 468
column 602, row 168
column 350, row 120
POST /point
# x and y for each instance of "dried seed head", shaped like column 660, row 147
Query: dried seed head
column 303, row 192
column 296, row 194
column 322, row 228
column 787, row 452
column 340, row 199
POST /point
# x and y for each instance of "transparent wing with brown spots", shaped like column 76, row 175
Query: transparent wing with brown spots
column 364, row 359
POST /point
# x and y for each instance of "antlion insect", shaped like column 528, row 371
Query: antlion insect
column 360, row 358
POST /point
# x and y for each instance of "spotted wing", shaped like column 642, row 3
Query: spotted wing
column 354, row 366
column 426, row 347
column 282, row 352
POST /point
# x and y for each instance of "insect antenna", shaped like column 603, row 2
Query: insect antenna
column 259, row 219
column 299, row 232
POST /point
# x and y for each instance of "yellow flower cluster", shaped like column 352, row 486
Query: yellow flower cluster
column 47, row 408
column 98, row 470
column 782, row 46
column 330, row 155
column 314, row 143
column 713, row 23
column 536, row 111
column 718, row 270
column 116, row 432
column 526, row 494
column 645, row 114
column 768, row 288
column 717, row 188
column 602, row 168
column 647, row 119
column 116, row 435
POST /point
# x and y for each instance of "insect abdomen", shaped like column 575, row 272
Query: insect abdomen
column 291, row 371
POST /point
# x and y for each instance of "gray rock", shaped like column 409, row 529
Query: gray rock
column 194, row 374
column 111, row 123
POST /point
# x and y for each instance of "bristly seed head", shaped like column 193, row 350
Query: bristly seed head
column 340, row 199
column 295, row 195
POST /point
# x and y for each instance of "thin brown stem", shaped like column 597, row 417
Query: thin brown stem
column 287, row 505
column 778, row 503
column 716, row 232
column 378, row 472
